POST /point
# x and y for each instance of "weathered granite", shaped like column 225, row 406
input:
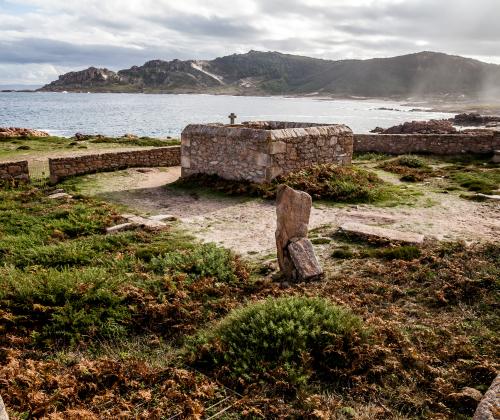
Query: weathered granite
column 484, row 142
column 381, row 234
column 489, row 407
column 14, row 172
column 61, row 168
column 260, row 151
column 304, row 260
column 3, row 411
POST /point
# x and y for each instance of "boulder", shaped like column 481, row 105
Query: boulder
column 379, row 234
column 293, row 209
column 419, row 127
column 489, row 407
column 306, row 264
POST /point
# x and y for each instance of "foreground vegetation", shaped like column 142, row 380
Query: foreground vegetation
column 153, row 324
column 323, row 182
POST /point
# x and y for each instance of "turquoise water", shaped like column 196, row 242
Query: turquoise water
column 114, row 114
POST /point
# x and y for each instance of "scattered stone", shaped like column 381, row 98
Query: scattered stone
column 120, row 228
column 60, row 195
column 382, row 234
column 6, row 132
column 467, row 399
column 489, row 407
column 142, row 222
column 3, row 411
column 56, row 191
column 163, row 218
column 306, row 264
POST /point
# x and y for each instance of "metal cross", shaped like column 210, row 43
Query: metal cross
column 232, row 116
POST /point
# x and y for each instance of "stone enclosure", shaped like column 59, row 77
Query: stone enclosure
column 260, row 151
column 481, row 142
column 61, row 168
column 14, row 172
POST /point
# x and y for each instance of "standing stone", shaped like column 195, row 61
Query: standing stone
column 3, row 411
column 293, row 210
column 489, row 407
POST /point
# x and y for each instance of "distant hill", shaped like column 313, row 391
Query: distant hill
column 273, row 73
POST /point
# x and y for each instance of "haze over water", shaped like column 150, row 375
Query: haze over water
column 166, row 115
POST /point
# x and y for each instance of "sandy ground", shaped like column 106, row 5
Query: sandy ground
column 248, row 225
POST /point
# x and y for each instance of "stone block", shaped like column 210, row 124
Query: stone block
column 304, row 260
column 381, row 234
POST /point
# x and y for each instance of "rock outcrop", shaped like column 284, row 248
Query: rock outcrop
column 475, row 119
column 419, row 127
column 6, row 132
column 85, row 79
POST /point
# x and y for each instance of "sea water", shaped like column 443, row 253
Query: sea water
column 161, row 115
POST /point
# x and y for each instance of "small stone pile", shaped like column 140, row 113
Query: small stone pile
column 296, row 256
column 6, row 132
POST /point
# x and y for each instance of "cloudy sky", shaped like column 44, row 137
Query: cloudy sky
column 40, row 39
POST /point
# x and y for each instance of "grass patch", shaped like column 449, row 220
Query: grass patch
column 370, row 156
column 323, row 182
column 476, row 180
column 288, row 339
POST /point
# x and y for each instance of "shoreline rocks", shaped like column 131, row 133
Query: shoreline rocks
column 6, row 132
column 419, row 127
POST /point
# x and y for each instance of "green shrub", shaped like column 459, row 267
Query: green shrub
column 65, row 305
column 290, row 339
column 323, row 182
column 343, row 253
column 411, row 161
column 206, row 260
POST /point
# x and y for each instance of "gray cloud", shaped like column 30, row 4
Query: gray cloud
column 45, row 34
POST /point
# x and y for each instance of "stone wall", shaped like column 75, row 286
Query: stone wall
column 14, row 172
column 61, row 168
column 260, row 151
column 439, row 144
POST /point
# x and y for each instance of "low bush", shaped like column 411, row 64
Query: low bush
column 289, row 339
column 206, row 260
column 412, row 168
column 322, row 182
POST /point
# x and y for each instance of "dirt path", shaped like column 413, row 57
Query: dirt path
column 247, row 225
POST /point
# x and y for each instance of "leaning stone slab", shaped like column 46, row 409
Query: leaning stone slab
column 489, row 407
column 382, row 234
column 306, row 264
column 3, row 411
column 293, row 209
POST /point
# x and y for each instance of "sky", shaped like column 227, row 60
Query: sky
column 40, row 39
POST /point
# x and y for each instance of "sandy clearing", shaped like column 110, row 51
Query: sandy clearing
column 248, row 225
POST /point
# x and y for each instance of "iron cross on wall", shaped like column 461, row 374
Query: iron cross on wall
column 232, row 116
